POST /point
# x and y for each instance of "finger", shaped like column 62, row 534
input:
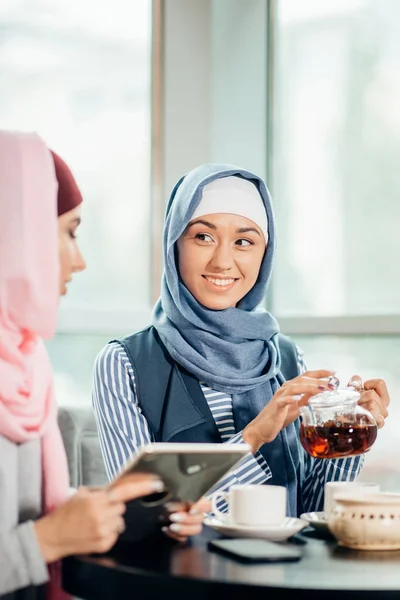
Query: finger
column 112, row 511
column 296, row 388
column 202, row 506
column 303, row 401
column 117, row 526
column 371, row 401
column 185, row 530
column 130, row 478
column 286, row 402
column 185, row 518
column 372, row 396
column 190, row 513
column 111, row 526
column 380, row 387
column 368, row 396
column 174, row 536
column 318, row 374
column 105, row 543
column 129, row 488
column 174, row 507
column 103, row 513
column 121, row 526
column 380, row 421
column 102, row 529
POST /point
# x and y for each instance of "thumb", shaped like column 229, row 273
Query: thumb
column 355, row 381
column 203, row 505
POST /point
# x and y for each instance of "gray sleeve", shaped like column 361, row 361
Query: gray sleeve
column 21, row 559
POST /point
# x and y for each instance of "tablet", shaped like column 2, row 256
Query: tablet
column 188, row 470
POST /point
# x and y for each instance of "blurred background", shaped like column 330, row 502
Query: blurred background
column 304, row 92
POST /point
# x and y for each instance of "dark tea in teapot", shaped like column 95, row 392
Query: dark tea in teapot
column 334, row 425
column 333, row 441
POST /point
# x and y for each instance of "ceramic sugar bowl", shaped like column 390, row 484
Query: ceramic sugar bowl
column 366, row 522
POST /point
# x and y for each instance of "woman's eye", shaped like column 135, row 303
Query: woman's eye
column 244, row 243
column 72, row 235
column 203, row 237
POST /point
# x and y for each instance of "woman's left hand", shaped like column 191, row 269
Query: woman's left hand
column 186, row 519
column 374, row 397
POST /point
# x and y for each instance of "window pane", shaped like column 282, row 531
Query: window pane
column 335, row 167
column 78, row 72
column 369, row 357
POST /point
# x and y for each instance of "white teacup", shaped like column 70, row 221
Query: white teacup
column 343, row 487
column 252, row 505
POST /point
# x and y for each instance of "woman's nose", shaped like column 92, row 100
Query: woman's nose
column 79, row 262
column 222, row 259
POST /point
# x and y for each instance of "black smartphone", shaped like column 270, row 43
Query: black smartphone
column 255, row 550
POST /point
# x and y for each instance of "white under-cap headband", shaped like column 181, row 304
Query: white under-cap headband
column 236, row 196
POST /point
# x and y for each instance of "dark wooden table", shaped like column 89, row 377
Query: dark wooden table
column 164, row 569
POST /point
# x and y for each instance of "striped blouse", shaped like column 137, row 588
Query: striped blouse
column 123, row 429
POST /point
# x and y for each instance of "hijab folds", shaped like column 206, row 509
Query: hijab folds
column 29, row 296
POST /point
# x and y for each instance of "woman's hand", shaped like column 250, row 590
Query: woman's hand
column 374, row 397
column 91, row 520
column 186, row 519
column 283, row 408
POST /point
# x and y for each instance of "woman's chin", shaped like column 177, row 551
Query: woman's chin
column 216, row 303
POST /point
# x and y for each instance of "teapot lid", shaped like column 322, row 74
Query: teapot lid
column 344, row 396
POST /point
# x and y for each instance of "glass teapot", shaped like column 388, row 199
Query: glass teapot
column 334, row 425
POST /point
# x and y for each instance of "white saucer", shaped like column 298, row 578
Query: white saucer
column 274, row 533
column 317, row 520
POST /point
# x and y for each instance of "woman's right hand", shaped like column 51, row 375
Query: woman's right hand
column 91, row 520
column 283, row 408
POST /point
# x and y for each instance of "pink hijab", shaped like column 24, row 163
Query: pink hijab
column 29, row 294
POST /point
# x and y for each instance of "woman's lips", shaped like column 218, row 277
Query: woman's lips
column 222, row 284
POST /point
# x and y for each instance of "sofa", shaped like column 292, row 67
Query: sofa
column 79, row 432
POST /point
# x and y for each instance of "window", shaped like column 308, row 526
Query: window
column 335, row 164
column 335, row 181
column 79, row 73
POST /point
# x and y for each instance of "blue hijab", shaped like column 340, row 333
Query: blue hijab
column 233, row 350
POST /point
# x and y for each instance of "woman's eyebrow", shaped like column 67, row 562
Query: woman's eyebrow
column 203, row 222
column 247, row 229
column 212, row 226
column 76, row 221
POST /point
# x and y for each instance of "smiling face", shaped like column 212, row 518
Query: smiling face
column 71, row 259
column 220, row 257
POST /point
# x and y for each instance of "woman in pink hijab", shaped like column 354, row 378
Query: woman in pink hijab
column 39, row 523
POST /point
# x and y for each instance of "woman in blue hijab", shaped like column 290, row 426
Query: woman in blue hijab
column 213, row 365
